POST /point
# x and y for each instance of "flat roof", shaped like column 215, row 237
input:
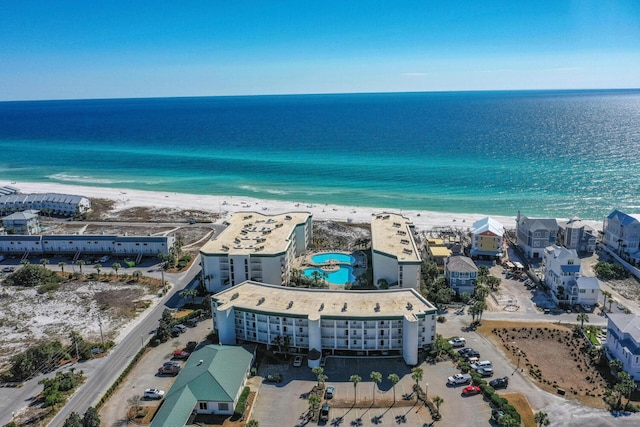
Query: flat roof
column 253, row 232
column 393, row 234
column 313, row 303
column 439, row 251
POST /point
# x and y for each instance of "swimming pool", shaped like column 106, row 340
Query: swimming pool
column 338, row 277
column 336, row 256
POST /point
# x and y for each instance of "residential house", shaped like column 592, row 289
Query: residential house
column 623, row 342
column 22, row 223
column 622, row 234
column 461, row 274
column 562, row 274
column 575, row 234
column 210, row 382
column 437, row 251
column 487, row 239
column 533, row 235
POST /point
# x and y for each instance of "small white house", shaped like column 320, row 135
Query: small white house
column 562, row 274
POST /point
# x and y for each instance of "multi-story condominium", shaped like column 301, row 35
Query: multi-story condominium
column 562, row 274
column 461, row 274
column 622, row 234
column 21, row 223
column 55, row 204
column 534, row 234
column 487, row 239
column 623, row 342
column 256, row 247
column 395, row 255
column 317, row 321
column 133, row 246
column 575, row 234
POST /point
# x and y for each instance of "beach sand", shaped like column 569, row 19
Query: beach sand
column 227, row 205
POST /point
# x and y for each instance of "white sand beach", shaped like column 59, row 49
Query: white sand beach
column 226, row 205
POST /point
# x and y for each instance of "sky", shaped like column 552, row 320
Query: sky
column 127, row 49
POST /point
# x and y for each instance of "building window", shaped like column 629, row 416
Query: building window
column 382, row 333
column 381, row 342
column 223, row 406
column 346, row 332
column 355, row 342
column 203, row 406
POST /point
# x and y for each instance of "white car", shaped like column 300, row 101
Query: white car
column 458, row 342
column 297, row 362
column 153, row 393
column 104, row 259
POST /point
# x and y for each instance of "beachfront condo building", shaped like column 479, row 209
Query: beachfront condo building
column 395, row 255
column 487, row 239
column 314, row 322
column 622, row 235
column 48, row 203
column 575, row 234
column 562, row 274
column 623, row 342
column 461, row 273
column 255, row 247
column 533, row 235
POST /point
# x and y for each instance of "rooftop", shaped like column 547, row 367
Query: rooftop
column 253, row 232
column 392, row 234
column 461, row 264
column 314, row 303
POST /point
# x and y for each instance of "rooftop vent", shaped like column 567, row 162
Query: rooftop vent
column 261, row 300
column 234, row 296
column 321, row 307
column 290, row 304
column 409, row 306
column 377, row 307
column 288, row 217
column 344, row 307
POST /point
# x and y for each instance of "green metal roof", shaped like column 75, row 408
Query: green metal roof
column 213, row 373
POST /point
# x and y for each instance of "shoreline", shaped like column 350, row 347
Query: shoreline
column 226, row 205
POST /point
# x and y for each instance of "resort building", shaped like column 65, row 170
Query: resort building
column 575, row 234
column 210, row 382
column 21, row 223
column 622, row 234
column 48, row 203
column 256, row 247
column 461, row 274
column 395, row 256
column 487, row 239
column 318, row 321
column 623, row 342
column 534, row 235
column 437, row 251
column 562, row 274
column 78, row 244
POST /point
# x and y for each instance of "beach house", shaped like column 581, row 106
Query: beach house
column 533, row 235
column 210, row 382
column 461, row 274
column 622, row 235
column 255, row 247
column 562, row 274
column 487, row 239
column 437, row 251
column 623, row 342
column 46, row 203
column 575, row 234
column 313, row 322
column 21, row 223
column 395, row 255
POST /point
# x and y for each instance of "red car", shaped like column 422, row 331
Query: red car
column 181, row 354
column 470, row 390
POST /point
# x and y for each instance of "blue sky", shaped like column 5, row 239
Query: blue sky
column 114, row 49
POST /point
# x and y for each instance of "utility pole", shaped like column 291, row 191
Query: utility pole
column 101, row 336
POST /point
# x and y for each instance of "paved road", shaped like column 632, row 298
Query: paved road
column 102, row 372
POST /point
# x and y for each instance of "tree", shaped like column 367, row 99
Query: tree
column 480, row 307
column 383, row 283
column 610, row 301
column 318, row 371
column 542, row 419
column 615, row 365
column 80, row 263
column 465, row 297
column 91, row 418
column 605, row 296
column 444, row 295
column 74, row 420
column 253, row 423
column 417, row 374
column 394, row 378
column 625, row 386
column 98, row 267
column 136, row 277
column 376, row 377
column 355, row 379
column 507, row 420
column 61, row 264
column 116, row 266
column 493, row 282
column 481, row 293
column 582, row 317
column 437, row 400
column 163, row 333
column 44, row 262
column 314, row 402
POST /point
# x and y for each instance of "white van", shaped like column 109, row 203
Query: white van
column 481, row 364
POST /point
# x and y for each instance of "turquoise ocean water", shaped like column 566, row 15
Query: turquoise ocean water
column 546, row 153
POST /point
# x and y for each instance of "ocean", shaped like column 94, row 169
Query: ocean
column 545, row 153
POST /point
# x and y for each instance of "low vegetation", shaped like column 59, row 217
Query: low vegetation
column 610, row 271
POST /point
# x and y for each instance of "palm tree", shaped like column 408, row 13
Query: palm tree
column 437, row 400
column 80, row 263
column 616, row 365
column 355, row 379
column 394, row 378
column 605, row 295
column 417, row 374
column 481, row 293
column 376, row 377
column 136, row 277
column 24, row 262
column 625, row 386
column 44, row 262
column 480, row 307
column 61, row 264
column 610, row 301
column 318, row 371
column 98, row 267
column 314, row 402
column 582, row 317
column 116, row 266
column 542, row 419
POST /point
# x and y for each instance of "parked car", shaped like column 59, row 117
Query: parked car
column 468, row 352
column 496, row 414
column 472, row 354
column 458, row 342
column 470, row 390
column 172, row 363
column 8, row 269
column 297, row 362
column 459, row 379
column 273, row 378
column 153, row 393
column 323, row 361
column 181, row 354
column 324, row 412
column 169, row 370
column 481, row 364
column 104, row 259
column 328, row 394
column 485, row 372
column 502, row 382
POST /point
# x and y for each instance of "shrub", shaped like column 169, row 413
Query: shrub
column 242, row 402
column 31, row 276
column 48, row 287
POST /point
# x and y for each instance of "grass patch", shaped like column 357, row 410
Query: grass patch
column 520, row 402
